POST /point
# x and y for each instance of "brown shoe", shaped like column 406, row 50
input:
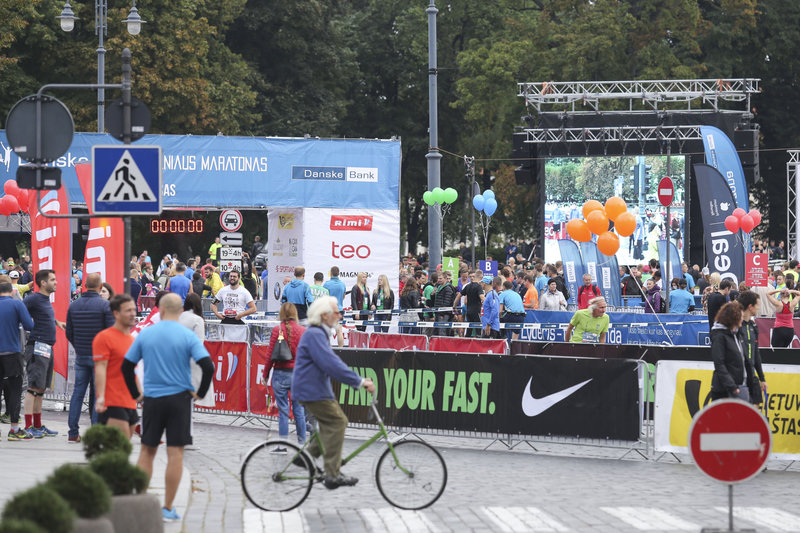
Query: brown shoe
column 76, row 439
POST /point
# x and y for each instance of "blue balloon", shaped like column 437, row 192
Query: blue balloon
column 478, row 202
column 488, row 193
column 490, row 206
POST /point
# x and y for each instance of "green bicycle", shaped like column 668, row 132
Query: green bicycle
column 410, row 473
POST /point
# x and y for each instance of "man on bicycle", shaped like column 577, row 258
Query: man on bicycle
column 315, row 364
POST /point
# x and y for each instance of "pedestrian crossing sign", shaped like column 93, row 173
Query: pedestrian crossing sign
column 126, row 180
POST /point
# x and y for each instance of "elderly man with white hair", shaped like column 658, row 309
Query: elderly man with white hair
column 315, row 365
column 589, row 325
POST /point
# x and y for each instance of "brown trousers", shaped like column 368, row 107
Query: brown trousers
column 332, row 425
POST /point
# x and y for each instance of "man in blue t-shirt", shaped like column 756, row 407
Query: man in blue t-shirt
column 12, row 315
column 166, row 349
column 512, row 310
column 680, row 300
column 336, row 287
column 179, row 283
column 490, row 319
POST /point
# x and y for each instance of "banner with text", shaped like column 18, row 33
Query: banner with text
column 683, row 388
column 230, row 375
column 51, row 248
column 250, row 172
column 284, row 252
column 573, row 267
column 756, row 270
column 519, row 395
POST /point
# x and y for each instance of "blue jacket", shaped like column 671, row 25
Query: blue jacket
column 491, row 311
column 12, row 314
column 297, row 292
column 87, row 316
column 314, row 366
column 336, row 288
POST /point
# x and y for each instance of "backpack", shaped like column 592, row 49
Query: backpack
column 662, row 308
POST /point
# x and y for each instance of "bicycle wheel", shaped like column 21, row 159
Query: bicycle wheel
column 272, row 480
column 416, row 479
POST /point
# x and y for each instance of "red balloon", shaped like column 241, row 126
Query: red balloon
column 756, row 216
column 10, row 187
column 10, row 204
column 22, row 198
column 739, row 212
column 3, row 210
column 746, row 223
column 732, row 224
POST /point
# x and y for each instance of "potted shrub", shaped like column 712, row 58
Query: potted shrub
column 99, row 439
column 87, row 494
column 43, row 506
column 119, row 474
column 13, row 525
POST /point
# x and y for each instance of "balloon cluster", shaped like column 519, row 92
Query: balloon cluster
column 440, row 196
column 742, row 220
column 15, row 199
column 597, row 217
column 485, row 202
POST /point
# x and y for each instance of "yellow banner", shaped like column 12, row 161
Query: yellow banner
column 782, row 406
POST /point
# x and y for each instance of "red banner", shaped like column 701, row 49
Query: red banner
column 357, row 339
column 51, row 248
column 230, row 375
column 756, row 270
column 105, row 248
column 464, row 345
column 258, row 392
column 398, row 342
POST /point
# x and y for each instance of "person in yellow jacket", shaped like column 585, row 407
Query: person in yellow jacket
column 212, row 280
column 212, row 250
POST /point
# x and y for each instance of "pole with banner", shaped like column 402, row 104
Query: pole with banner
column 666, row 193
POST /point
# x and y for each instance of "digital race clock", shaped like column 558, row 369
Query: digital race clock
column 176, row 225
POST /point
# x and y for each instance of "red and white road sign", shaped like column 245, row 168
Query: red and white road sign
column 730, row 441
column 666, row 191
column 230, row 220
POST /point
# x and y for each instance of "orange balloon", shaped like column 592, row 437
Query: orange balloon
column 625, row 224
column 579, row 230
column 615, row 206
column 608, row 243
column 589, row 206
column 597, row 221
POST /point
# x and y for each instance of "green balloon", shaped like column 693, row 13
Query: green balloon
column 428, row 197
column 450, row 195
column 438, row 195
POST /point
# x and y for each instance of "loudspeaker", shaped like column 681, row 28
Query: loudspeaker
column 531, row 168
column 746, row 142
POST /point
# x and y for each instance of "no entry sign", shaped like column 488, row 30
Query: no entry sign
column 666, row 191
column 730, row 441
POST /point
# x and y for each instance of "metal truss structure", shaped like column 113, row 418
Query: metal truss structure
column 623, row 135
column 651, row 93
column 793, row 203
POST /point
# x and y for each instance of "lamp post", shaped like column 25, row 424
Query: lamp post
column 134, row 24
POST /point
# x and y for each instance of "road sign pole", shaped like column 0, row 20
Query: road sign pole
column 126, row 139
column 668, row 283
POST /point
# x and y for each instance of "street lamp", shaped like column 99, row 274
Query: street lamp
column 133, row 22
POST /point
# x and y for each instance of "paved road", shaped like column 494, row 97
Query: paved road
column 494, row 490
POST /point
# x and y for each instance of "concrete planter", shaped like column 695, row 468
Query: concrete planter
column 93, row 525
column 136, row 513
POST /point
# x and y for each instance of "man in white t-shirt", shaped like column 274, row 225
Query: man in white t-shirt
column 237, row 302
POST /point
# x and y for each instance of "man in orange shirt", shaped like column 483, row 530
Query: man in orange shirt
column 114, row 405
column 531, row 299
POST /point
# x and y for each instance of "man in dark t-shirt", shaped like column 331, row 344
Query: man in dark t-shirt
column 717, row 300
column 471, row 297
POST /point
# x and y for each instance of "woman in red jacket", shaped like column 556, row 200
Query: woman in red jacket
column 290, row 331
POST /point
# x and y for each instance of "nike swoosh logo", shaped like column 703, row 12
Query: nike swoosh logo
column 535, row 406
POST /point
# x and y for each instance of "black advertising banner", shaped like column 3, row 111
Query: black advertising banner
column 519, row 395
column 725, row 250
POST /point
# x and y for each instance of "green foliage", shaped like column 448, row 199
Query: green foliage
column 118, row 473
column 83, row 490
column 43, row 506
column 102, row 439
column 20, row 526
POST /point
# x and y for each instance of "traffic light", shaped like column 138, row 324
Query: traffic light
column 83, row 229
column 487, row 178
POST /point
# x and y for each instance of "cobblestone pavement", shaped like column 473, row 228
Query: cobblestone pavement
column 558, row 489
column 494, row 490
